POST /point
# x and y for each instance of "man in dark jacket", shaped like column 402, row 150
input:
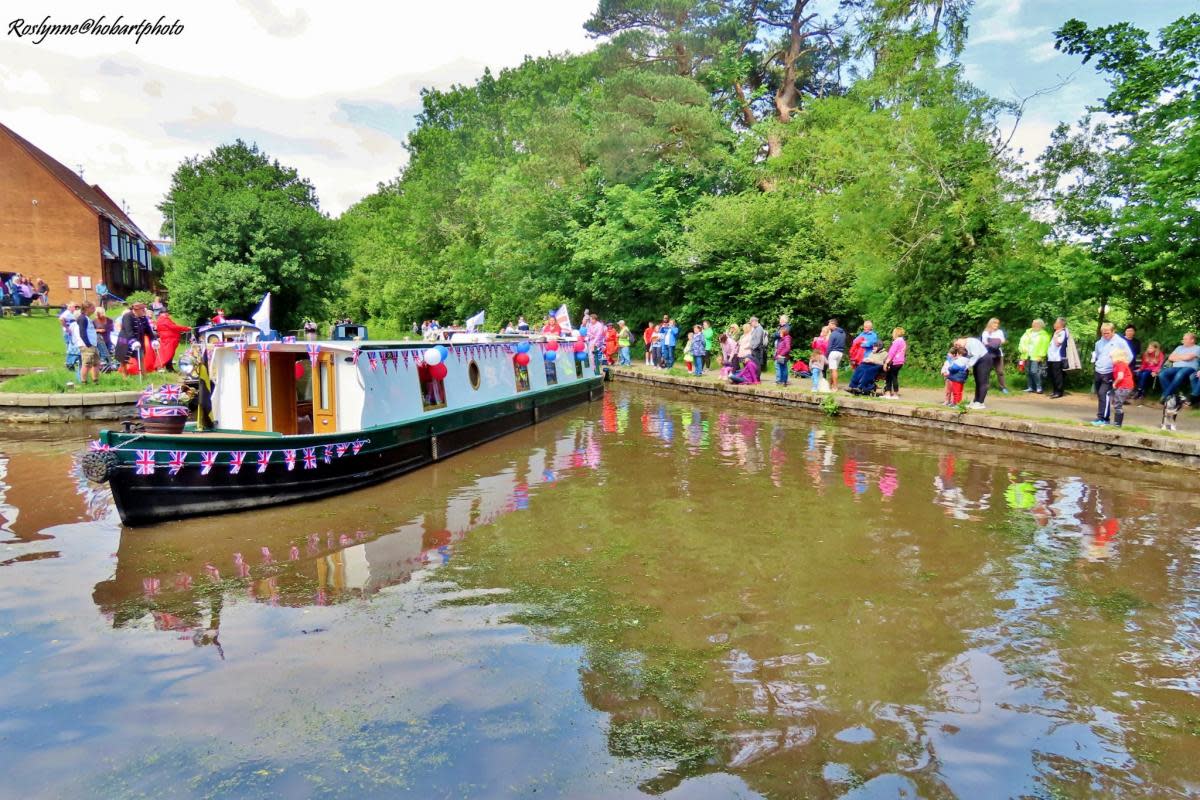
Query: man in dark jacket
column 836, row 352
column 135, row 328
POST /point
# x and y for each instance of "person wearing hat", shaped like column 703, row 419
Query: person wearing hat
column 136, row 334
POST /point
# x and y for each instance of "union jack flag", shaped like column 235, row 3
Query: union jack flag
column 310, row 458
column 207, row 459
column 170, row 391
column 383, row 359
column 371, row 362
column 240, row 349
column 354, row 354
column 264, row 458
column 357, row 445
column 289, row 458
column 289, row 340
column 235, row 461
column 328, row 454
column 145, row 462
column 314, row 351
column 265, row 349
column 341, row 449
column 149, row 390
column 96, row 446
column 177, row 462
column 404, row 353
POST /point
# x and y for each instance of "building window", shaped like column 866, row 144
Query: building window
column 473, row 374
column 114, row 243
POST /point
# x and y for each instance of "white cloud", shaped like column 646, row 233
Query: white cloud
column 329, row 88
column 1043, row 52
column 996, row 21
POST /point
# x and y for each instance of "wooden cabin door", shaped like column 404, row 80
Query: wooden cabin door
column 283, row 393
column 254, row 404
column 324, row 399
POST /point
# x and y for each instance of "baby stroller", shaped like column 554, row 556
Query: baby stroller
column 865, row 375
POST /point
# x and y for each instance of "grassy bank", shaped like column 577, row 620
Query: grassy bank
column 33, row 341
column 55, row 381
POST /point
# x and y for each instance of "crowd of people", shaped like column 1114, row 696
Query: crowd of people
column 137, row 340
column 21, row 291
column 1123, row 371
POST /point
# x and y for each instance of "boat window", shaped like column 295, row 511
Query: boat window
column 578, row 368
column 433, row 390
column 323, row 379
column 473, row 374
column 252, row 387
column 551, row 372
column 521, row 373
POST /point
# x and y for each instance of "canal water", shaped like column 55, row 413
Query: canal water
column 652, row 594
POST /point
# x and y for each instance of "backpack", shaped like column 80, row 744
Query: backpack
column 958, row 373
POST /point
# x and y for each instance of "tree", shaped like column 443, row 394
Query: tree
column 247, row 225
column 1127, row 185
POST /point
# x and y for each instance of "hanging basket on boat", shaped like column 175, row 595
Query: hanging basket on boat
column 163, row 410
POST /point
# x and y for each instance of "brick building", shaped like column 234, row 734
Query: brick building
column 55, row 226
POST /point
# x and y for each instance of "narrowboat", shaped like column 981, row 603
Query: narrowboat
column 294, row 421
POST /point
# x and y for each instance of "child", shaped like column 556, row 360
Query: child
column 816, row 366
column 1122, row 378
column 698, row 349
column 955, row 371
column 1152, row 363
column 688, row 357
column 728, row 354
column 783, row 346
column 895, row 360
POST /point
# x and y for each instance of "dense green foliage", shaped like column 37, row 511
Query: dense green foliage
column 1128, row 184
column 247, row 225
column 721, row 158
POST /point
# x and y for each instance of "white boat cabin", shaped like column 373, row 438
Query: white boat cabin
column 346, row 386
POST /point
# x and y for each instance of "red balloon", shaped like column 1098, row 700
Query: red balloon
column 521, row 358
column 551, row 345
column 437, row 371
column 579, row 345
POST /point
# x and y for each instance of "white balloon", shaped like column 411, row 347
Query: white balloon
column 432, row 356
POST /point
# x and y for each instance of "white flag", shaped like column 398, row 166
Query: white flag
column 475, row 322
column 262, row 317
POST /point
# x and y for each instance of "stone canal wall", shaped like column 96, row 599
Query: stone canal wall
column 1145, row 447
column 66, row 407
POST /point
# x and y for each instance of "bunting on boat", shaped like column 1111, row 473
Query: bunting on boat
column 176, row 461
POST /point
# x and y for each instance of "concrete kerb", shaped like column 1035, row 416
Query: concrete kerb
column 20, row 407
column 1056, row 436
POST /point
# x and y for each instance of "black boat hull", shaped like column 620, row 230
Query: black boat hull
column 391, row 451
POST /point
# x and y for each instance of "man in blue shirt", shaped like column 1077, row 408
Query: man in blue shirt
column 670, row 332
column 1182, row 365
column 1102, row 358
column 870, row 338
column 835, row 352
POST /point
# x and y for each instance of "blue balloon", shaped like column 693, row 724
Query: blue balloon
column 549, row 355
column 441, row 348
column 581, row 356
column 522, row 347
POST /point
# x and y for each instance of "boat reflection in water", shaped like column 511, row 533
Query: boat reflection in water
column 180, row 573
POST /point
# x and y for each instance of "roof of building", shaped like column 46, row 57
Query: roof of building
column 91, row 195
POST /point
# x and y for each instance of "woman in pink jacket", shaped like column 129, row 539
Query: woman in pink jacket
column 893, row 363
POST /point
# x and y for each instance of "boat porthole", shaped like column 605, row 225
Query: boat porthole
column 473, row 374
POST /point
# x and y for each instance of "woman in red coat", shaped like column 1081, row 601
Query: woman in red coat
column 169, row 332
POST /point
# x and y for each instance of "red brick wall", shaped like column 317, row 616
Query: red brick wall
column 55, row 237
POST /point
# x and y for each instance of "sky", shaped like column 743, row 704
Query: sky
column 332, row 89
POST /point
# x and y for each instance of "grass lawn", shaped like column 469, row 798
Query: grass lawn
column 54, row 381
column 34, row 341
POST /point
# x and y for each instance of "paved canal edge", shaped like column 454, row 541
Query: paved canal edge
column 1055, row 436
column 22, row 407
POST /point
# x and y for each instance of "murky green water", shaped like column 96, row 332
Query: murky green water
column 650, row 595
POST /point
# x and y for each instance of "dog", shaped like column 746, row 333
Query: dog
column 1171, row 407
